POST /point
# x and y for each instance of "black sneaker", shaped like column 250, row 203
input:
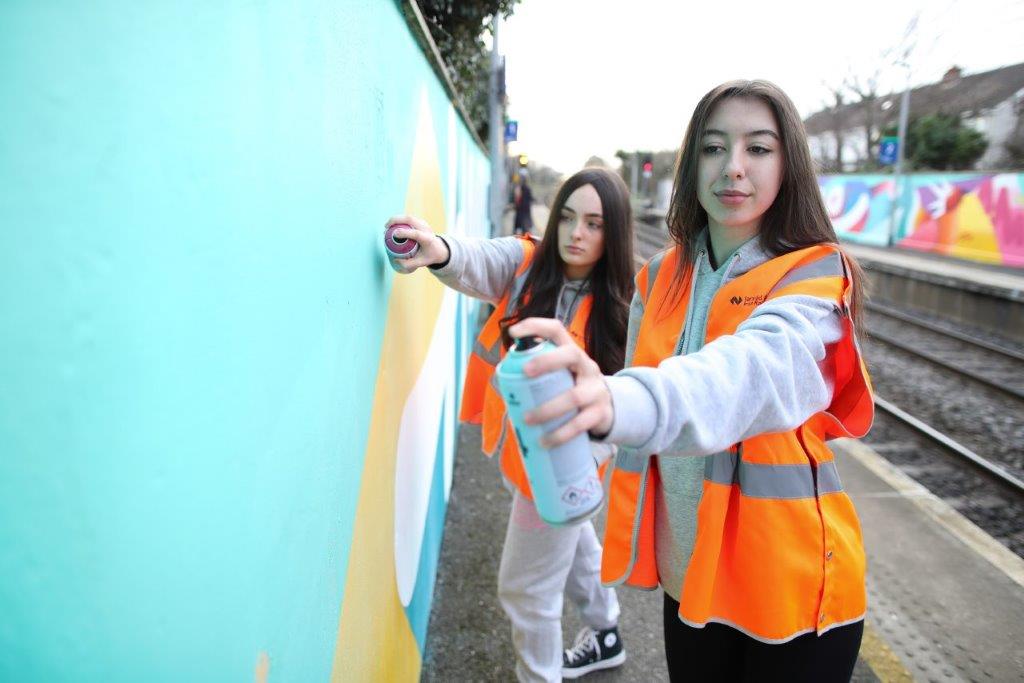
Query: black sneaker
column 593, row 650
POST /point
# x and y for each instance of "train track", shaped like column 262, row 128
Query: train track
column 984, row 466
column 980, row 361
column 957, row 355
column 649, row 239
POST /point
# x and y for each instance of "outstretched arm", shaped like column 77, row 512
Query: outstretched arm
column 481, row 268
column 771, row 375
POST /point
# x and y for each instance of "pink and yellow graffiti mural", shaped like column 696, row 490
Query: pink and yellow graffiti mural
column 967, row 215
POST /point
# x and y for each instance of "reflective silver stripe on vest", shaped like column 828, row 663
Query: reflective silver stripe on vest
column 771, row 481
column 516, row 289
column 652, row 272
column 499, row 445
column 829, row 266
column 828, row 478
column 721, row 467
column 492, row 355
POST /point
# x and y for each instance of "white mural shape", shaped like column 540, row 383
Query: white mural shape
column 417, row 446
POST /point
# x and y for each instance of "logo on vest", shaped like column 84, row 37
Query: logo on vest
column 748, row 300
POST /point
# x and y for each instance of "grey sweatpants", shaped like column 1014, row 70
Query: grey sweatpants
column 539, row 563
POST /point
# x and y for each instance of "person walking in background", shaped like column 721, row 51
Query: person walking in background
column 743, row 362
column 580, row 273
column 523, row 203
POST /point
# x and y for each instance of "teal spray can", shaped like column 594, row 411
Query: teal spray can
column 564, row 481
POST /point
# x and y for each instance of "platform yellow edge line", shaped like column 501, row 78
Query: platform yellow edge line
column 885, row 663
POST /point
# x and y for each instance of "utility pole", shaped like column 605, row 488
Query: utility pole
column 634, row 174
column 904, row 113
column 497, row 143
column 907, row 49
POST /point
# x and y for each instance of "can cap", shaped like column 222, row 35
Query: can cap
column 526, row 343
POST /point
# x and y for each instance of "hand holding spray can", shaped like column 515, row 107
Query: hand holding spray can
column 400, row 247
column 564, row 481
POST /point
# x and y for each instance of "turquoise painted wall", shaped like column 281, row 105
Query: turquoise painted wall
column 194, row 297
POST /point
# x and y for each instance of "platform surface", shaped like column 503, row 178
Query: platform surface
column 991, row 276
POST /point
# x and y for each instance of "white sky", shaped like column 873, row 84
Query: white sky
column 588, row 77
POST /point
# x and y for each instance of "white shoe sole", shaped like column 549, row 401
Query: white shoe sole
column 615, row 661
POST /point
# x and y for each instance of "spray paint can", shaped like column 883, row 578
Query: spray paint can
column 400, row 247
column 564, row 481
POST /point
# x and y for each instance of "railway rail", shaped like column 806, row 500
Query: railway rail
column 977, row 359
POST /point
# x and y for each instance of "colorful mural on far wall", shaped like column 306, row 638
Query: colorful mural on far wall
column 976, row 216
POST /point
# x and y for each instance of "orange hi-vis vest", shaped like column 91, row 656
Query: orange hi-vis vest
column 778, row 549
column 481, row 402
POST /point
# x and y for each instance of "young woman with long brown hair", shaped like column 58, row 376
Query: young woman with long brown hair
column 743, row 361
column 581, row 273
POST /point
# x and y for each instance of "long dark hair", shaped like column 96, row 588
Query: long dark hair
column 796, row 219
column 611, row 280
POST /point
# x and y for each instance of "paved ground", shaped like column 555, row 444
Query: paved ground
column 944, row 595
column 469, row 637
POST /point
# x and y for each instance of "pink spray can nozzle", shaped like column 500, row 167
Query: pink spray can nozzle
column 400, row 247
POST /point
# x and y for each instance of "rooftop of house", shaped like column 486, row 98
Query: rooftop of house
column 955, row 93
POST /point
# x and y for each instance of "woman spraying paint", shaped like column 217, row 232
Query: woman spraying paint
column 743, row 363
column 580, row 273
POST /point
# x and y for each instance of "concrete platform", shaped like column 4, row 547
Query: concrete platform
column 1003, row 280
column 984, row 296
column 469, row 637
column 946, row 598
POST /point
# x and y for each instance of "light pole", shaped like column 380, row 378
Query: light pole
column 634, row 173
column 497, row 144
column 901, row 135
column 907, row 47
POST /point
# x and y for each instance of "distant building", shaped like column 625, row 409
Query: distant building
column 991, row 102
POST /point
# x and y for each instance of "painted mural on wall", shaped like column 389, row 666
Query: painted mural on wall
column 408, row 464
column 227, row 426
column 859, row 206
column 974, row 216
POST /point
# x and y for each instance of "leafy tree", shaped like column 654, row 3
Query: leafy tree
column 458, row 27
column 941, row 142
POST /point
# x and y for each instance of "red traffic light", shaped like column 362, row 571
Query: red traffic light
column 648, row 167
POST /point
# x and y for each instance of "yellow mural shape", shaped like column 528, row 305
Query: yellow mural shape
column 975, row 236
column 375, row 641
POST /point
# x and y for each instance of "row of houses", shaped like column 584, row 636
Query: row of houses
column 844, row 137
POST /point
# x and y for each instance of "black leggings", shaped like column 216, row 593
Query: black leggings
column 721, row 653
